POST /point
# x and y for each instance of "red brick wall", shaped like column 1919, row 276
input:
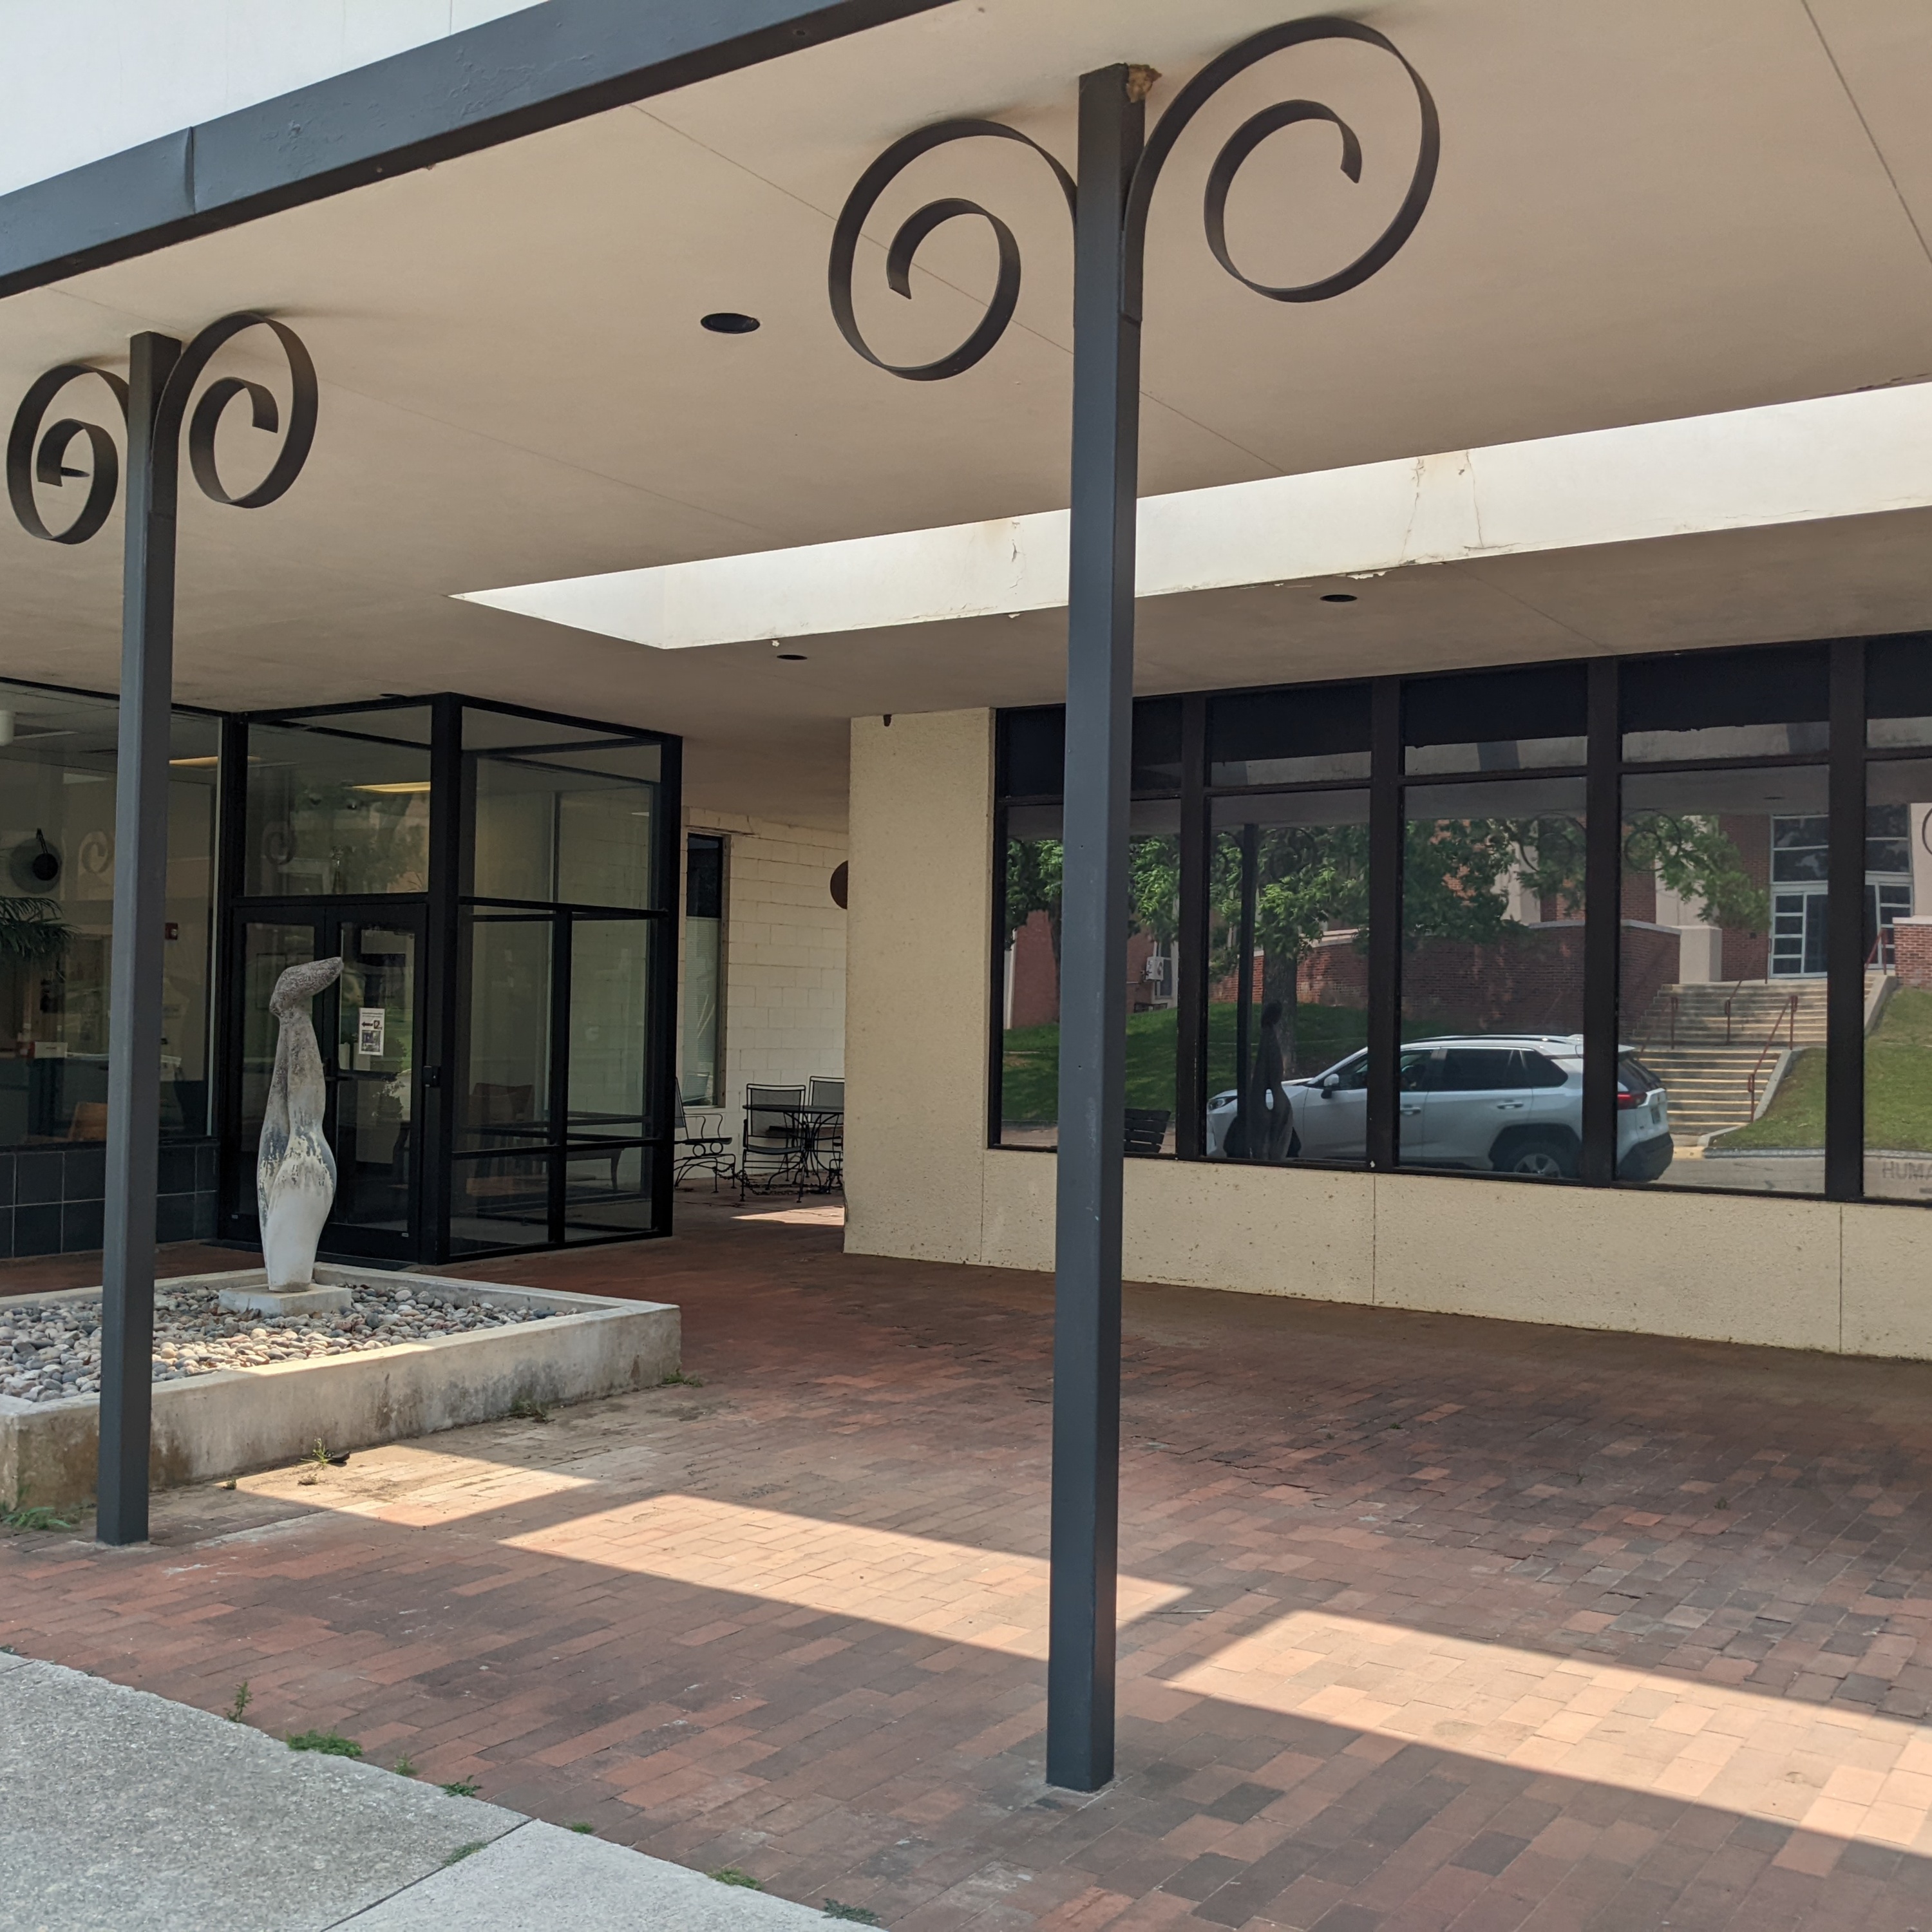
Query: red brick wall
column 1036, row 980
column 1748, row 955
column 1529, row 981
column 1651, row 960
column 1913, row 954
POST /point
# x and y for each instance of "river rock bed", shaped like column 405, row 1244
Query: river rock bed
column 49, row 1350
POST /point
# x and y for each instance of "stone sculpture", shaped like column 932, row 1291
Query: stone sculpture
column 294, row 1172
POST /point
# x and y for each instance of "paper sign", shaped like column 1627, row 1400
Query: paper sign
column 369, row 1031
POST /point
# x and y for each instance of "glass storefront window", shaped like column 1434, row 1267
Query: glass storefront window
column 1492, row 1073
column 1288, row 737
column 1763, row 702
column 1029, row 1016
column 1288, row 978
column 1898, row 980
column 1494, row 720
column 339, row 804
column 1722, row 1003
column 57, row 803
column 563, row 824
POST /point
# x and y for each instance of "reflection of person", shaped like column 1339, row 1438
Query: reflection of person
column 1270, row 1120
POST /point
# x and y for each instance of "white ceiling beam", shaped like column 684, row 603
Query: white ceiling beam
column 1829, row 457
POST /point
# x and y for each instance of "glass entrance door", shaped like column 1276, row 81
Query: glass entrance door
column 367, row 1024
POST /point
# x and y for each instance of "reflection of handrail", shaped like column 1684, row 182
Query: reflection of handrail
column 1884, row 952
column 1788, row 1018
column 1734, row 992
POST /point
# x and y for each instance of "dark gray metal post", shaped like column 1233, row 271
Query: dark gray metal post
column 140, row 908
column 1093, row 954
column 1845, row 938
column 1603, row 924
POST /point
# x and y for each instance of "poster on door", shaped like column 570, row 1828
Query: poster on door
column 369, row 1032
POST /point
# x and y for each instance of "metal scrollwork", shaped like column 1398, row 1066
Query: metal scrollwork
column 1173, row 123
column 34, row 458
column 914, row 230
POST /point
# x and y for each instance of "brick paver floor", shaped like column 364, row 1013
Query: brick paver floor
column 1426, row 1622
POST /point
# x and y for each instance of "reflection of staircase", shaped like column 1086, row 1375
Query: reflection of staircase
column 1704, row 1041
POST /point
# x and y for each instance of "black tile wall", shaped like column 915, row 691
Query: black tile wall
column 53, row 1200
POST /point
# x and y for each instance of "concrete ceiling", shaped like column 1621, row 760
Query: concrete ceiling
column 1646, row 209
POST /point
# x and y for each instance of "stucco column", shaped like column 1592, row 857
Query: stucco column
column 918, row 983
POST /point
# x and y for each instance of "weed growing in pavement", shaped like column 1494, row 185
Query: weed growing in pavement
column 589, row 1831
column 317, row 1463
column 35, row 1516
column 242, row 1699
column 229, row 1484
column 330, row 1743
column 731, row 1875
column 8, row 1650
column 856, row 1914
column 461, row 1787
column 677, row 1379
column 464, row 1851
column 527, row 1409
column 404, row 1767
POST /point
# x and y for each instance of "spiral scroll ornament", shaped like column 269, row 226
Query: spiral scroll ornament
column 1160, row 144
column 36, row 456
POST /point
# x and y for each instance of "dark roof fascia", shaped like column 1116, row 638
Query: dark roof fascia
column 539, row 68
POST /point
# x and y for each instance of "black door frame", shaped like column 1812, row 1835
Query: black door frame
column 326, row 915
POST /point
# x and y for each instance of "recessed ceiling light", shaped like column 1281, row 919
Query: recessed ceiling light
column 1338, row 597
column 728, row 322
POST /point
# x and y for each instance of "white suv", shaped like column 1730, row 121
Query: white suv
column 1502, row 1103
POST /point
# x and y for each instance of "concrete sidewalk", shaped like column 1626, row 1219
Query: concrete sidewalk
column 122, row 1812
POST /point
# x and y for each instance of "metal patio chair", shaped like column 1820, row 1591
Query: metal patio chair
column 768, row 1147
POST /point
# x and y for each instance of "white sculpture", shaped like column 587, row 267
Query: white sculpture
column 294, row 1172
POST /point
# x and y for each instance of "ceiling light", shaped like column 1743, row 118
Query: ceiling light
column 395, row 787
column 728, row 322
column 1338, row 597
column 212, row 758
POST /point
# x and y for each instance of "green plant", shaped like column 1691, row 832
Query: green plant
column 731, row 1875
column 330, row 1743
column 38, row 1516
column 461, row 1787
column 32, row 931
column 8, row 1650
column 589, row 1831
column 243, row 1698
column 678, row 1379
column 404, row 1766
column 527, row 1409
column 464, row 1851
column 856, row 1914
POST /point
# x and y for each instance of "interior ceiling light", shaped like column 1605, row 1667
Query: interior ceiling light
column 183, row 764
column 728, row 322
column 395, row 787
column 1338, row 597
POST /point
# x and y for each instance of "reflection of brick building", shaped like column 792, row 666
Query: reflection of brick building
column 1032, row 976
column 1747, row 956
column 1912, row 951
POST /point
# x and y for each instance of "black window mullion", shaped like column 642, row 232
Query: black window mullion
column 1385, row 857
column 560, row 938
column 1603, row 926
column 1190, row 1095
column 1844, row 936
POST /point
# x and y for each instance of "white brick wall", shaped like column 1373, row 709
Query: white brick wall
column 785, row 954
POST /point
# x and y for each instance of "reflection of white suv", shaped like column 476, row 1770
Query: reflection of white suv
column 1504, row 1103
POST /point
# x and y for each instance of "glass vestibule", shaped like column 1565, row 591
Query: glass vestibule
column 1619, row 922
column 367, row 1024
column 496, row 883
column 58, row 751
